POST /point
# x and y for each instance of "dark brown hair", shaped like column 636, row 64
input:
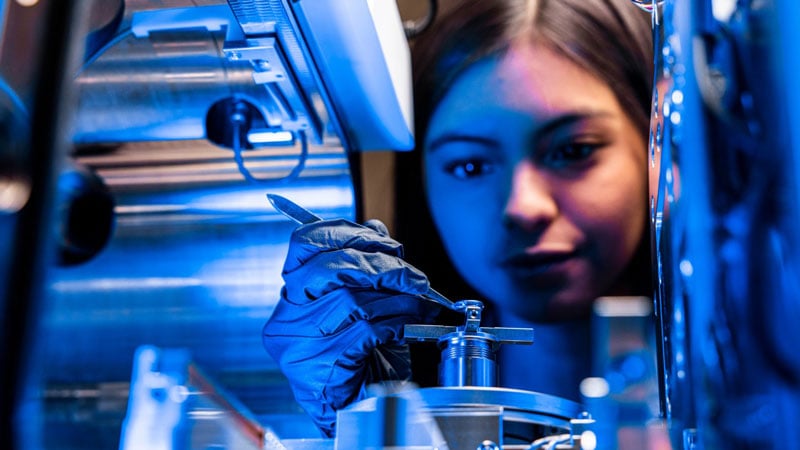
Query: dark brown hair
column 611, row 39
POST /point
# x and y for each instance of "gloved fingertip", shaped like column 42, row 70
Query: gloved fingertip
column 378, row 226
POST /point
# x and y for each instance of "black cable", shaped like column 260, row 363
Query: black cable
column 239, row 125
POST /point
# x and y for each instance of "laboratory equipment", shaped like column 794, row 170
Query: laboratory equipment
column 186, row 112
column 468, row 411
column 723, row 192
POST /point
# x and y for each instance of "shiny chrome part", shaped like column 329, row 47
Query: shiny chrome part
column 472, row 312
column 163, row 86
column 488, row 445
column 394, row 416
column 272, row 71
column 469, row 415
column 158, row 80
column 468, row 351
column 465, row 418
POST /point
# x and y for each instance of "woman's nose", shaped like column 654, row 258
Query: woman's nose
column 530, row 205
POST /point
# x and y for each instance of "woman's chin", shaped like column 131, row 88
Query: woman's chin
column 556, row 307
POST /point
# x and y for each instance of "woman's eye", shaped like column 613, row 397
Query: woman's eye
column 468, row 168
column 571, row 153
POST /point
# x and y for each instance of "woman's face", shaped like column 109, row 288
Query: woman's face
column 536, row 179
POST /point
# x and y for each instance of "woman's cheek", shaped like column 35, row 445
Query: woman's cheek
column 450, row 223
column 468, row 244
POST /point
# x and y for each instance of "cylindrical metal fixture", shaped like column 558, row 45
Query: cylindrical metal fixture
column 160, row 88
column 468, row 360
column 468, row 351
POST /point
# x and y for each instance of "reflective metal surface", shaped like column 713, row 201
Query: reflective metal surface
column 465, row 418
column 158, row 88
column 724, row 154
column 195, row 253
column 468, row 352
column 465, row 415
column 188, row 113
column 194, row 263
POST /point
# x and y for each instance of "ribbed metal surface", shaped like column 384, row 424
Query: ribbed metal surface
column 258, row 17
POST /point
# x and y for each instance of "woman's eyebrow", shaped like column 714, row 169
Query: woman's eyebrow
column 569, row 119
column 547, row 127
column 448, row 138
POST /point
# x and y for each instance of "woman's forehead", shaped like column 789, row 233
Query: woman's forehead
column 531, row 80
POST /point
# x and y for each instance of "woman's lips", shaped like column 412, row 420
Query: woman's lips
column 537, row 264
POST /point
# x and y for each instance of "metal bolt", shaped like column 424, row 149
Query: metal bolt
column 488, row 445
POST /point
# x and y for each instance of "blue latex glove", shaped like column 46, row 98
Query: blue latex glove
column 338, row 325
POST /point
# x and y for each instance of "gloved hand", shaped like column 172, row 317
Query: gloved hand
column 338, row 325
